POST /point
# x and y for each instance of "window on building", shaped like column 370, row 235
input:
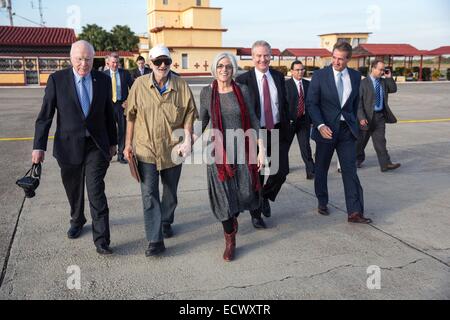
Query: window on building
column 165, row 2
column 184, row 61
column 199, row 3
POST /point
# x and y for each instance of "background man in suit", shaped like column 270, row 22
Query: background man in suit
column 296, row 93
column 268, row 89
column 141, row 69
column 85, row 139
column 374, row 113
column 121, row 82
column 332, row 103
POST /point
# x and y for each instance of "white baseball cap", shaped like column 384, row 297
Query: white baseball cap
column 158, row 51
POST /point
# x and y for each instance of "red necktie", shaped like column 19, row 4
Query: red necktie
column 301, row 101
column 267, row 104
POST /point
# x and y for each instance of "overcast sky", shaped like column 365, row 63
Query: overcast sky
column 424, row 24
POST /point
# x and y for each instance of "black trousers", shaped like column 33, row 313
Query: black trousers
column 119, row 117
column 376, row 130
column 92, row 172
column 277, row 177
column 345, row 145
column 303, row 132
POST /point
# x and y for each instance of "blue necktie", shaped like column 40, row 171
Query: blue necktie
column 340, row 87
column 85, row 100
column 378, row 93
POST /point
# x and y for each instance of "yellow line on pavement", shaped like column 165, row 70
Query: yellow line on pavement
column 424, row 121
column 20, row 139
column 401, row 121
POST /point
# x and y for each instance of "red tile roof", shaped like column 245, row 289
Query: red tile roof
column 299, row 52
column 387, row 50
column 120, row 53
column 36, row 36
column 248, row 52
column 441, row 51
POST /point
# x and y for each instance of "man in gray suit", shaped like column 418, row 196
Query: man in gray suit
column 374, row 113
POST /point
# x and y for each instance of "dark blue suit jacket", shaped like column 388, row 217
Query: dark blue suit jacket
column 126, row 82
column 323, row 105
column 71, row 124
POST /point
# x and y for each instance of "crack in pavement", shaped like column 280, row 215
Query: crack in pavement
column 286, row 278
column 11, row 242
column 377, row 228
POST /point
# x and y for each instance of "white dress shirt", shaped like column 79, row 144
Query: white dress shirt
column 273, row 96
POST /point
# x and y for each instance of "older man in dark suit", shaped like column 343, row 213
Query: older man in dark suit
column 332, row 103
column 85, row 139
column 121, row 82
column 296, row 92
column 373, row 114
column 268, row 89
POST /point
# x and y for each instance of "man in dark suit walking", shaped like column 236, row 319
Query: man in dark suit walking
column 296, row 93
column 373, row 114
column 332, row 103
column 85, row 139
column 141, row 70
column 268, row 89
column 121, row 83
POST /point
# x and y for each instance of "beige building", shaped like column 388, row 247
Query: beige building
column 191, row 29
column 328, row 40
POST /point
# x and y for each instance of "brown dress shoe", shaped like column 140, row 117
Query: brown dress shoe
column 391, row 166
column 357, row 217
column 323, row 210
column 230, row 246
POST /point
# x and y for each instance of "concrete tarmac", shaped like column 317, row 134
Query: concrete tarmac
column 302, row 255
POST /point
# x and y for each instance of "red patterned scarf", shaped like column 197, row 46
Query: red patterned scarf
column 225, row 170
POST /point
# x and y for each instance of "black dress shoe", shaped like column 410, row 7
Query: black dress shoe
column 323, row 210
column 74, row 232
column 155, row 249
column 359, row 164
column 104, row 249
column 266, row 208
column 259, row 223
column 310, row 176
column 123, row 161
column 167, row 231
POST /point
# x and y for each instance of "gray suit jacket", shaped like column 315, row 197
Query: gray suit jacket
column 367, row 101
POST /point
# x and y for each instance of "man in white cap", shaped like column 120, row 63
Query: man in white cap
column 159, row 103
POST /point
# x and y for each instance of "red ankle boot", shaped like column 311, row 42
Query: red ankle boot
column 230, row 246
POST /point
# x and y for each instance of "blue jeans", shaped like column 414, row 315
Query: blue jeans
column 158, row 212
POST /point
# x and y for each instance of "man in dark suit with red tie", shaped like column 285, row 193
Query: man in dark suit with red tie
column 332, row 103
column 85, row 139
column 296, row 93
column 267, row 87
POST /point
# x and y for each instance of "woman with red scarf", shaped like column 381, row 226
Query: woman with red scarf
column 233, row 181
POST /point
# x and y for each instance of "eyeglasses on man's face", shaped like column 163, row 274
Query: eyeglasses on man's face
column 158, row 62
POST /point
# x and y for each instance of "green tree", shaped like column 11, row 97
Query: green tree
column 101, row 39
column 124, row 39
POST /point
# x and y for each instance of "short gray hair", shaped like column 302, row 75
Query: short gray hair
column 82, row 43
column 262, row 43
column 221, row 56
column 114, row 55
